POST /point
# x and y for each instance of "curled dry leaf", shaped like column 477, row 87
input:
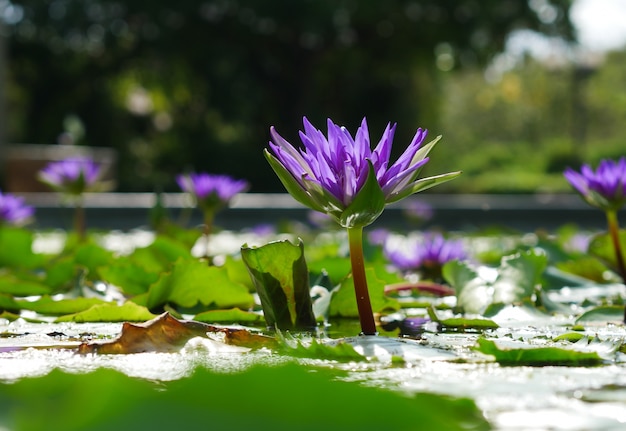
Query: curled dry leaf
column 168, row 334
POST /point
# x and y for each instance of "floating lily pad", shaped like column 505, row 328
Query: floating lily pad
column 537, row 356
column 609, row 313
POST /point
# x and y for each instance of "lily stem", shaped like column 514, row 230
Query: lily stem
column 364, row 306
column 207, row 229
column 611, row 218
column 79, row 221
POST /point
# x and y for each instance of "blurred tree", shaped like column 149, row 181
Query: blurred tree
column 196, row 84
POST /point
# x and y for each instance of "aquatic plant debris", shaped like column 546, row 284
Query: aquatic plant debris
column 166, row 334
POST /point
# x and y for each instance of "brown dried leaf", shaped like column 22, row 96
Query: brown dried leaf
column 168, row 334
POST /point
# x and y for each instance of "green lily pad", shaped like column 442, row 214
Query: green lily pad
column 232, row 315
column 572, row 337
column 537, row 356
column 281, row 278
column 517, row 277
column 460, row 323
column 16, row 248
column 131, row 278
column 343, row 301
column 340, row 351
column 193, row 283
column 11, row 284
column 110, row 312
column 47, row 305
column 609, row 313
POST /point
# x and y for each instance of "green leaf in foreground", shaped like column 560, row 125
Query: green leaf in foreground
column 537, row 356
column 109, row 400
column 110, row 312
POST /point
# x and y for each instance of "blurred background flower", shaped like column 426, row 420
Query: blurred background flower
column 210, row 193
column 73, row 176
column 425, row 254
column 14, row 211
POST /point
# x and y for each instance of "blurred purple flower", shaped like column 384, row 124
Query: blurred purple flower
column 13, row 210
column 430, row 253
column 72, row 176
column 605, row 188
column 419, row 211
column 211, row 191
column 408, row 326
column 378, row 236
column 320, row 220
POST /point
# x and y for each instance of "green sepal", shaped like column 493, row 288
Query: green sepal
column 293, row 187
column 596, row 199
column 423, row 151
column 324, row 199
column 367, row 205
column 421, row 185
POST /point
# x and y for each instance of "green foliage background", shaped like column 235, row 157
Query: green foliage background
column 196, row 85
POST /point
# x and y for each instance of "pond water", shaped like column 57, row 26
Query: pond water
column 512, row 398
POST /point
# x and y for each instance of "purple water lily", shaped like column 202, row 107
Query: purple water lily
column 331, row 171
column 428, row 254
column 72, row 176
column 211, row 193
column 211, row 190
column 13, row 210
column 605, row 188
column 419, row 211
column 340, row 175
